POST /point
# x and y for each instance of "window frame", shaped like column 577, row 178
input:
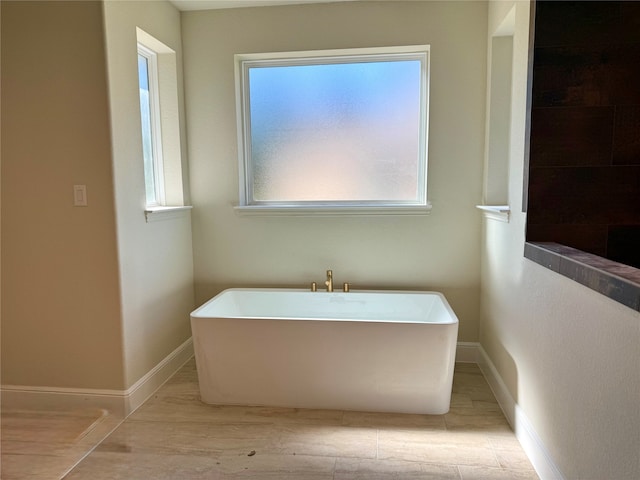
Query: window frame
column 155, row 126
column 243, row 64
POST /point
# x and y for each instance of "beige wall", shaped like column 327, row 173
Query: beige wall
column 439, row 252
column 155, row 259
column 569, row 356
column 61, row 307
column 94, row 297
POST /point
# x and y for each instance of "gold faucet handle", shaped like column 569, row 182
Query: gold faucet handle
column 345, row 287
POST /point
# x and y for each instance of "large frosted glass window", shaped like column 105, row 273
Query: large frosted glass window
column 334, row 128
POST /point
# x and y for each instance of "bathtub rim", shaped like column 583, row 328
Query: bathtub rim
column 453, row 318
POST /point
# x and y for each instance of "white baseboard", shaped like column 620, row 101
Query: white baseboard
column 118, row 402
column 525, row 433
column 499, row 388
column 138, row 393
column 467, row 352
column 57, row 398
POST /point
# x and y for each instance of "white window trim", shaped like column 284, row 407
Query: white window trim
column 495, row 212
column 156, row 123
column 154, row 214
column 247, row 206
column 319, row 211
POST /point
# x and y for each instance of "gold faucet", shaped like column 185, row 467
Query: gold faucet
column 329, row 281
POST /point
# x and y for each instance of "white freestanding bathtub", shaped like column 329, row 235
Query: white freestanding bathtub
column 384, row 351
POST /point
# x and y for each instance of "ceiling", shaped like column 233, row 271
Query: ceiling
column 212, row 4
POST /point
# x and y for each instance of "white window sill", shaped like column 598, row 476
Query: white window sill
column 315, row 210
column 154, row 214
column 495, row 212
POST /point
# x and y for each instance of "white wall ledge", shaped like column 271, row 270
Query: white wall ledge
column 617, row 281
column 495, row 212
column 153, row 214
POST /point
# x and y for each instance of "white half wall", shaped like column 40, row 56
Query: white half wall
column 568, row 356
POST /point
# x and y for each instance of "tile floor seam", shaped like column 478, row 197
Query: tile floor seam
column 495, row 455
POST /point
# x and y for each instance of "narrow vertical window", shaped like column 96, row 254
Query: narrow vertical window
column 150, row 116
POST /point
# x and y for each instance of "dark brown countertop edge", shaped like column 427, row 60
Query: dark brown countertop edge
column 615, row 280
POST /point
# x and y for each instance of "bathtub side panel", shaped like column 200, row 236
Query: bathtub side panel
column 385, row 367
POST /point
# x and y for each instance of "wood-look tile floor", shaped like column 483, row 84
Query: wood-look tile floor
column 44, row 445
column 175, row 436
